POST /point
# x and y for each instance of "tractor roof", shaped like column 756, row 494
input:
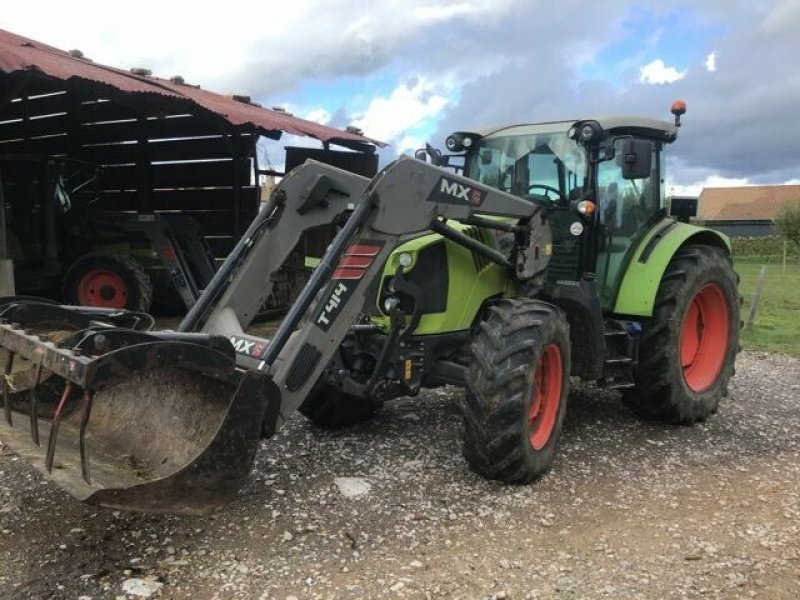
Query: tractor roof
column 640, row 126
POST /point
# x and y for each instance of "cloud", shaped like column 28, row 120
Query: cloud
column 740, row 124
column 658, row 73
column 255, row 48
column 509, row 61
column 711, row 62
column 407, row 107
column 694, row 189
column 318, row 115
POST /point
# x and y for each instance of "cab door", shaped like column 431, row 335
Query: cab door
column 627, row 208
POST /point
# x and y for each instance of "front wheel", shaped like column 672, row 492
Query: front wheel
column 689, row 345
column 517, row 388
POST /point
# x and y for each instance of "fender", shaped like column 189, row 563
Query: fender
column 637, row 294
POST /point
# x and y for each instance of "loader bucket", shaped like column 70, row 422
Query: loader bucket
column 136, row 421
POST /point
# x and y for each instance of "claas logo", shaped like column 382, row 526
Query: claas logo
column 469, row 195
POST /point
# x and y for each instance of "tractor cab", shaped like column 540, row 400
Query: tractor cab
column 601, row 180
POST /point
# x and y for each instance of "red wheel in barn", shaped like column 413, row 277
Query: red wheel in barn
column 108, row 281
column 517, row 387
column 689, row 345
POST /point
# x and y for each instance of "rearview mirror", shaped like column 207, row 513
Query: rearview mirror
column 637, row 159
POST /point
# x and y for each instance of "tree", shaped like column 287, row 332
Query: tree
column 787, row 223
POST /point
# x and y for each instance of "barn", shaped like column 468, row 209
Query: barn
column 80, row 140
column 746, row 211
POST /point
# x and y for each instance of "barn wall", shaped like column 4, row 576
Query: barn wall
column 743, row 228
column 155, row 156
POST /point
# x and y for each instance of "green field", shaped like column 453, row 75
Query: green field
column 777, row 323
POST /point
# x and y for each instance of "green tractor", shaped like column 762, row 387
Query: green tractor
column 634, row 298
column 552, row 255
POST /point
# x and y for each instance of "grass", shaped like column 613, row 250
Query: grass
column 777, row 323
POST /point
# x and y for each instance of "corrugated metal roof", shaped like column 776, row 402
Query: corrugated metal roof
column 748, row 203
column 20, row 54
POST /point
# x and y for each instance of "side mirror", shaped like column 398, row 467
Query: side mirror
column 637, row 159
column 435, row 155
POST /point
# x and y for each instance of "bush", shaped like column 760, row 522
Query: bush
column 761, row 247
column 787, row 223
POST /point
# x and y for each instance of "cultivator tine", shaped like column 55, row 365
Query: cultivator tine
column 86, row 411
column 6, row 375
column 35, row 404
column 51, row 442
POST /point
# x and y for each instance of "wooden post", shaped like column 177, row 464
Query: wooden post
column 6, row 265
column 784, row 256
column 756, row 298
column 3, row 246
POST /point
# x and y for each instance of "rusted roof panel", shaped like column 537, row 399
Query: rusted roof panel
column 747, row 203
column 21, row 54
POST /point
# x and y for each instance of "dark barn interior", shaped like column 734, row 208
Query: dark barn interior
column 80, row 140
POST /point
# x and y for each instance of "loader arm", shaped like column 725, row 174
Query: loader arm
column 312, row 195
column 406, row 198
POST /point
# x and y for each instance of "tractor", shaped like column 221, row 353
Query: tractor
column 547, row 253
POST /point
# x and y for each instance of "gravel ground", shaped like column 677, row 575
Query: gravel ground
column 630, row 510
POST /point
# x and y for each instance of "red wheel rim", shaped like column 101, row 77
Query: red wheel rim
column 704, row 337
column 101, row 287
column 547, row 382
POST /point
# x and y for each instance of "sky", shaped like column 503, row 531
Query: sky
column 408, row 71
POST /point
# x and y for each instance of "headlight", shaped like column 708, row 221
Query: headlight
column 587, row 133
column 405, row 260
column 390, row 303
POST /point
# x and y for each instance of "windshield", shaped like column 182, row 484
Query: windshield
column 537, row 165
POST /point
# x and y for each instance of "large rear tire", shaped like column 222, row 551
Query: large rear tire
column 688, row 347
column 330, row 408
column 517, row 388
column 108, row 281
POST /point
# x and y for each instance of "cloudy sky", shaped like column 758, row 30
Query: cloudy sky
column 407, row 71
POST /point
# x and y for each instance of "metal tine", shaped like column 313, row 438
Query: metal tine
column 6, row 403
column 35, row 404
column 51, row 442
column 88, row 397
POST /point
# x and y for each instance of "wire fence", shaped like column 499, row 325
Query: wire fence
column 768, row 260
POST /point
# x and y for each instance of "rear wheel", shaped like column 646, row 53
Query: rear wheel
column 330, row 408
column 689, row 346
column 517, row 388
column 108, row 281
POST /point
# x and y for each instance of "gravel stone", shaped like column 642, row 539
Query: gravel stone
column 629, row 510
column 352, row 487
column 142, row 588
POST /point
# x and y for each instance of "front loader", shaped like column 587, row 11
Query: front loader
column 170, row 421
column 550, row 255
